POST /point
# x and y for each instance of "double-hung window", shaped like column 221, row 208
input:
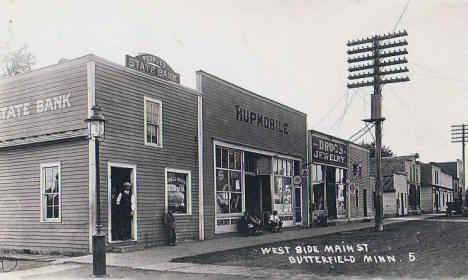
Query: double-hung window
column 51, row 185
column 153, row 122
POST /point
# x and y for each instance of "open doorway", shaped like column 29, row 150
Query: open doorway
column 122, row 202
column 257, row 194
column 257, row 184
column 364, row 197
column 331, row 189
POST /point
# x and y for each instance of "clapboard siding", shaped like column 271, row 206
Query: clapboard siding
column 219, row 121
column 121, row 95
column 20, row 224
column 389, row 204
column 69, row 78
column 358, row 154
column 426, row 199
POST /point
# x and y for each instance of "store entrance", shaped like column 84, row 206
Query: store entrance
column 257, row 184
column 257, row 195
column 122, row 204
column 331, row 192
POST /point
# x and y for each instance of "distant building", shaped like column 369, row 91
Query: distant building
column 437, row 187
column 456, row 169
column 395, row 196
column 412, row 168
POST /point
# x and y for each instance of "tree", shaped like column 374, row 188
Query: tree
column 386, row 151
column 16, row 61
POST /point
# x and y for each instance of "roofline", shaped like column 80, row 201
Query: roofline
column 92, row 57
column 250, row 92
column 432, row 163
column 87, row 57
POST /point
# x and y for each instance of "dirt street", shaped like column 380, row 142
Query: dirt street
column 432, row 248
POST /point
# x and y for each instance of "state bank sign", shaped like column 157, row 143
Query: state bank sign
column 152, row 65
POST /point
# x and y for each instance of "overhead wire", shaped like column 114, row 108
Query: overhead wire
column 346, row 109
column 408, row 131
column 408, row 109
column 401, row 15
column 331, row 109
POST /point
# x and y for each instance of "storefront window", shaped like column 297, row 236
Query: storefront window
column 317, row 173
column 228, row 181
column 178, row 191
column 283, row 170
column 318, row 197
column 50, row 192
column 341, row 202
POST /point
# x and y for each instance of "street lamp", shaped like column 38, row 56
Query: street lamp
column 96, row 131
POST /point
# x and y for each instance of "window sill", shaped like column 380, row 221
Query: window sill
column 58, row 221
column 153, row 145
column 182, row 215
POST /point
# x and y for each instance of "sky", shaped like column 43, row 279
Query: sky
column 293, row 52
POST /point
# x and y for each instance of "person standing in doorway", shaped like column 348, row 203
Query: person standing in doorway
column 169, row 221
column 126, row 208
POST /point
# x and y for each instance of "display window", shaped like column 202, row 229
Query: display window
column 228, row 181
column 283, row 172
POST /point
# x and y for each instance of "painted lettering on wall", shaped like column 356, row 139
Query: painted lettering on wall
column 326, row 151
column 49, row 104
column 260, row 120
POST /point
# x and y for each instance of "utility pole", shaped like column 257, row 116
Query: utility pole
column 377, row 52
column 459, row 135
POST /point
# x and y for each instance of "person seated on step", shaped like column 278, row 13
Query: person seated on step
column 266, row 221
column 275, row 222
column 257, row 224
column 245, row 225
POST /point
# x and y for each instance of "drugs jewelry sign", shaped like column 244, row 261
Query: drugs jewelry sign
column 329, row 152
column 153, row 65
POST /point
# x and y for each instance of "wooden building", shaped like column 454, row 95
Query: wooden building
column 47, row 163
column 253, row 152
column 409, row 165
column 395, row 196
column 159, row 135
column 340, row 184
column 437, row 188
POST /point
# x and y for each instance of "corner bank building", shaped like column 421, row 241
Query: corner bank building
column 207, row 154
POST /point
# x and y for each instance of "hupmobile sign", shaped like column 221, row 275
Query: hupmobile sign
column 260, row 120
column 329, row 152
column 153, row 65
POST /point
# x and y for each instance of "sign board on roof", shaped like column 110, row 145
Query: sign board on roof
column 152, row 65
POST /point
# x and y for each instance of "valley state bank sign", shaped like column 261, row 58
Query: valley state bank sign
column 152, row 65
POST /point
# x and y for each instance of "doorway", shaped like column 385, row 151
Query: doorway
column 331, row 192
column 402, row 204
column 122, row 208
column 364, row 197
column 257, row 194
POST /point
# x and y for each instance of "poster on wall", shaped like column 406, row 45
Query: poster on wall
column 176, row 192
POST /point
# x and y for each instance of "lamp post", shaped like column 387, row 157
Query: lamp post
column 96, row 131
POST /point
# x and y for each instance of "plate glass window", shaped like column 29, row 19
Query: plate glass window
column 228, row 181
column 283, row 171
column 50, row 192
column 153, row 124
